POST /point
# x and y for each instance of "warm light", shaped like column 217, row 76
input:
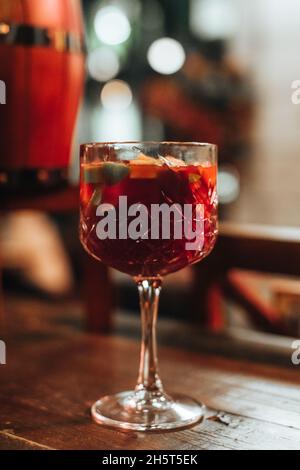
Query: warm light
column 116, row 95
column 103, row 64
column 4, row 28
column 112, row 25
column 213, row 19
column 166, row 55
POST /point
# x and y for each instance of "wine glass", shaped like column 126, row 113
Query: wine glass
column 148, row 209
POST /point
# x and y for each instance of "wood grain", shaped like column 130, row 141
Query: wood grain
column 55, row 372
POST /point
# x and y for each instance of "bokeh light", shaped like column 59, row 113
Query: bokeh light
column 117, row 125
column 213, row 19
column 166, row 55
column 103, row 64
column 111, row 25
column 228, row 184
column 116, row 95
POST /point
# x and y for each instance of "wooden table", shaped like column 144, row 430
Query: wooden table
column 55, row 371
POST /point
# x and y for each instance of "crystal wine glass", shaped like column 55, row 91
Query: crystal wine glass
column 148, row 209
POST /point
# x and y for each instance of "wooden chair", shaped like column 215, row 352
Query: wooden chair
column 265, row 249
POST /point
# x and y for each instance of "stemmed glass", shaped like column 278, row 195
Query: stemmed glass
column 148, row 209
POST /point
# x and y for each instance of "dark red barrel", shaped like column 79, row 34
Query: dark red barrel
column 42, row 66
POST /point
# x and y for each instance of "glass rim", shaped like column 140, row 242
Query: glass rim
column 151, row 142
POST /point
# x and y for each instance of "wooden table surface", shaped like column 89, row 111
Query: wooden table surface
column 55, row 371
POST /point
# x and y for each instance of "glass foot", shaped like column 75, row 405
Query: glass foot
column 147, row 411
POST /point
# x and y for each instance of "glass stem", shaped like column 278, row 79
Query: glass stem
column 148, row 379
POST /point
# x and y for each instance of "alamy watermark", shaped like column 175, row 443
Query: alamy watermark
column 2, row 352
column 2, row 92
column 295, row 358
column 295, row 97
column 161, row 222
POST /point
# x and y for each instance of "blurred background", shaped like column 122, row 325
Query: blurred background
column 206, row 70
column 197, row 70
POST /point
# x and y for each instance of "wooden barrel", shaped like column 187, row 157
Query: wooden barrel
column 42, row 66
